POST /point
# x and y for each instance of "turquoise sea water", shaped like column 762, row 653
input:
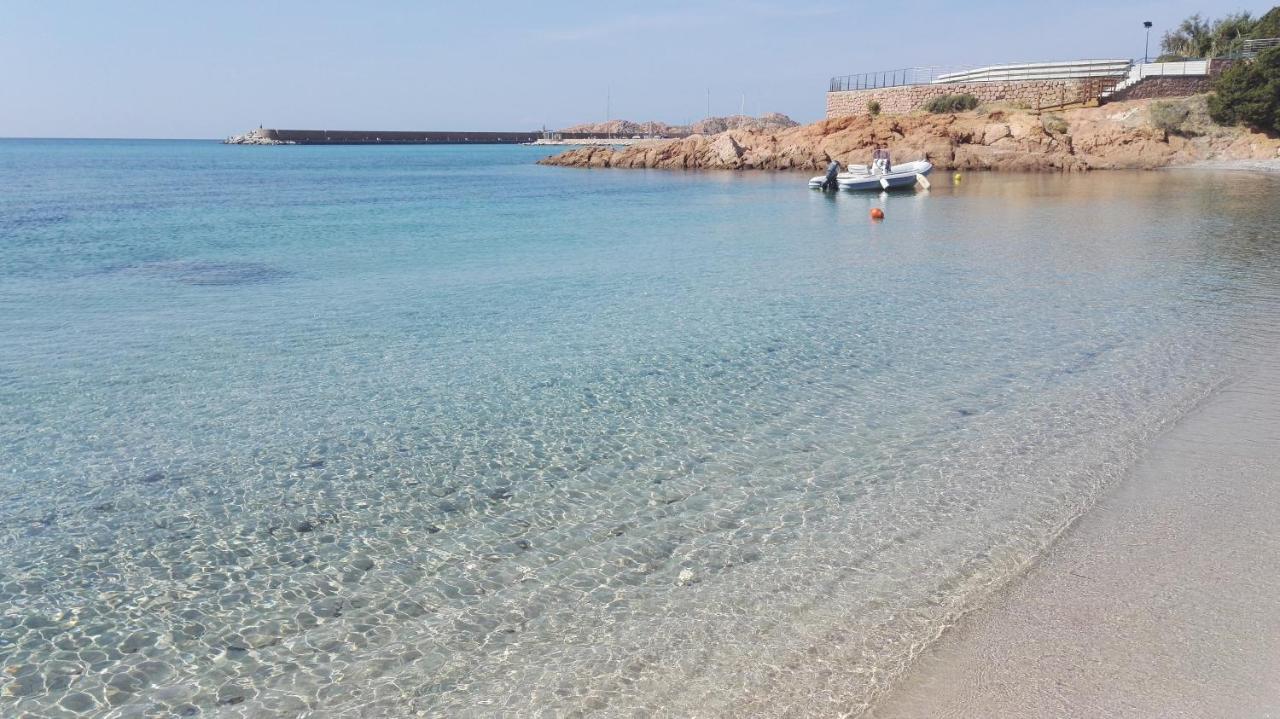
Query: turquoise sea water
column 435, row 431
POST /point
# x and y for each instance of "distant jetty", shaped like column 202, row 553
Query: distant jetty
column 269, row 136
column 613, row 133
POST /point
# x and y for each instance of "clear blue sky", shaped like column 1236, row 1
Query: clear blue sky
column 173, row 68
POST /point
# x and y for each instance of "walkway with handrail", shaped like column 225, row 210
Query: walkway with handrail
column 1068, row 70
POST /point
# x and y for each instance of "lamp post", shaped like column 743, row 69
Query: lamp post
column 1147, row 44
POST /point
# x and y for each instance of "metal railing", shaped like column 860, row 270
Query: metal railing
column 934, row 75
column 1070, row 70
column 1251, row 48
column 886, row 78
column 1099, row 79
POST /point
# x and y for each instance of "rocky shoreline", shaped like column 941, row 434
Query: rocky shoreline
column 768, row 122
column 1118, row 135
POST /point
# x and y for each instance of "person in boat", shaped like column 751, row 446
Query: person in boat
column 830, row 183
column 880, row 162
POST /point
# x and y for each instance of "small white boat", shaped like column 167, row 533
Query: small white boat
column 882, row 174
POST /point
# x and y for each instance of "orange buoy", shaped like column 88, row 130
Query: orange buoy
column 877, row 213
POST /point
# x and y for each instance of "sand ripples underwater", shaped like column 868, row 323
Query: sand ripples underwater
column 608, row 444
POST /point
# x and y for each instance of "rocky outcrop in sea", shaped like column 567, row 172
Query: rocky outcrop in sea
column 1115, row 136
column 254, row 137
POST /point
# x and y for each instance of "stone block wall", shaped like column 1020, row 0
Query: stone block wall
column 1174, row 85
column 1167, row 86
column 1218, row 65
column 904, row 99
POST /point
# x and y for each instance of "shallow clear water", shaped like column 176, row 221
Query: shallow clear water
column 436, row 431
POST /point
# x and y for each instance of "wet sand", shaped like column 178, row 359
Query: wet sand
column 1163, row 601
column 1242, row 165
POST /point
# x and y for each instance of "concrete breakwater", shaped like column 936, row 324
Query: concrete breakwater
column 269, row 136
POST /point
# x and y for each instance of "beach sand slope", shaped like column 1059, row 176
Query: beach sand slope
column 1164, row 601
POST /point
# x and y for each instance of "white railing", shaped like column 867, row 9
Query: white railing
column 1253, row 47
column 1038, row 71
column 1131, row 72
column 934, row 75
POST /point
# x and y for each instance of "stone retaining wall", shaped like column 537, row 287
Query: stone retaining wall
column 1174, row 85
column 1170, row 86
column 901, row 100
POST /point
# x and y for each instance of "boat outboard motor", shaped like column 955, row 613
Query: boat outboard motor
column 830, row 183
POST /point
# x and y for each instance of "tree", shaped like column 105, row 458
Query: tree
column 1188, row 38
column 1229, row 34
column 1268, row 25
column 1198, row 37
column 1249, row 93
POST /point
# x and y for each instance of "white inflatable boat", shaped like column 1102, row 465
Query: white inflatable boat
column 882, row 174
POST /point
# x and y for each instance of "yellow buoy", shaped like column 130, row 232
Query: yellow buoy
column 956, row 178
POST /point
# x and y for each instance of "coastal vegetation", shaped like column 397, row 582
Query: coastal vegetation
column 873, row 107
column 1268, row 25
column 951, row 103
column 1198, row 37
column 1056, row 125
column 1169, row 116
column 1248, row 93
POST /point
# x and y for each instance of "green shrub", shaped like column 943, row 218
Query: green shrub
column 1055, row 124
column 1248, row 93
column 1268, row 25
column 873, row 107
column 1169, row 116
column 951, row 103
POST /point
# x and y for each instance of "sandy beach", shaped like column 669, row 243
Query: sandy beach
column 1239, row 165
column 1160, row 602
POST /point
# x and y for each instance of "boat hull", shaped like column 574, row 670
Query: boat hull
column 902, row 177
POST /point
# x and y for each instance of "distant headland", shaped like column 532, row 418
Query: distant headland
column 768, row 122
